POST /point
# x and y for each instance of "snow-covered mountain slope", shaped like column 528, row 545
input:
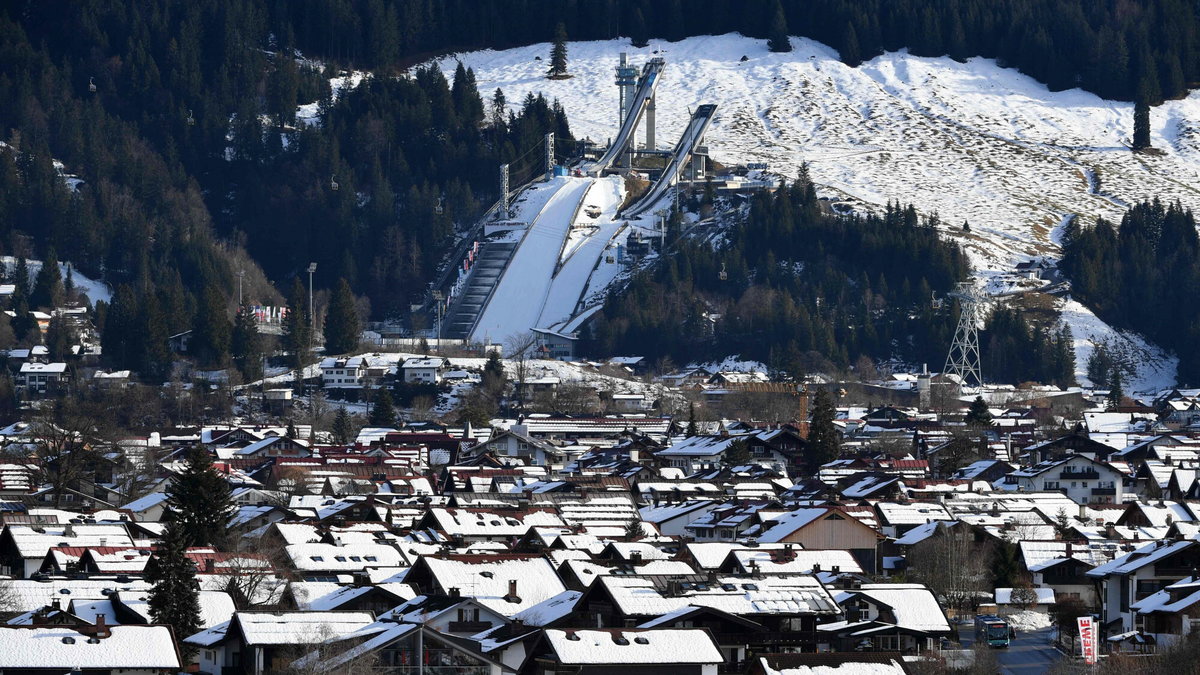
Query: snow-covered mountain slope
column 972, row 141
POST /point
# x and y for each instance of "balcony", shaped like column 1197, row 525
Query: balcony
column 1087, row 474
column 1104, row 492
column 471, row 627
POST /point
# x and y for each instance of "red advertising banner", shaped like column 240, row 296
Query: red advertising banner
column 1087, row 639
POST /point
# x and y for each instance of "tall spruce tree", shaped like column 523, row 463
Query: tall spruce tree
column 48, row 285
column 978, row 414
column 174, row 595
column 823, row 443
column 198, row 501
column 558, row 54
column 343, row 329
column 1141, row 124
column 383, row 412
column 246, row 344
column 639, row 36
column 297, row 332
column 341, row 426
column 777, row 37
column 23, row 322
column 210, row 330
column 1116, row 392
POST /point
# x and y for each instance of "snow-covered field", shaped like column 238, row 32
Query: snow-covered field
column 971, row 141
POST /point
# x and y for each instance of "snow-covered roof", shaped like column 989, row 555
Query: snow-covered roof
column 1146, row 555
column 549, row 610
column 486, row 579
column 914, row 513
column 289, row 628
column 666, row 646
column 785, row 594
column 327, row 557
column 913, row 605
column 698, row 446
column 63, row 649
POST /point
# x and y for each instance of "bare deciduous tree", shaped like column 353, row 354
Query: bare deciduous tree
column 953, row 565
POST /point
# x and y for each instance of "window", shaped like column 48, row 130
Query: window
column 1051, row 485
column 468, row 614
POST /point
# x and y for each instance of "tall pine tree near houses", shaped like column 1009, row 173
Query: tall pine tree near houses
column 1141, row 124
column 823, row 444
column 174, row 596
column 341, row 426
column 558, row 54
column 383, row 413
column 246, row 345
column 297, row 329
column 48, row 289
column 199, row 503
column 343, row 329
column 210, row 330
column 777, row 36
column 978, row 414
column 1116, row 392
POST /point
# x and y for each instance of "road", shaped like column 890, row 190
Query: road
column 1029, row 654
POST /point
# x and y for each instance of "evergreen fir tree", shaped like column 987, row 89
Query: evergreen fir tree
column 1116, row 393
column 59, row 338
column 638, row 35
column 23, row 322
column 174, row 595
column 343, row 330
column 737, row 454
column 48, row 287
column 823, row 443
column 777, row 40
column 494, row 377
column 978, row 414
column 198, row 501
column 850, row 51
column 153, row 355
column 1141, row 124
column 21, row 278
column 383, row 413
column 341, row 426
column 246, row 345
column 691, row 425
column 210, row 330
column 558, row 54
column 297, row 333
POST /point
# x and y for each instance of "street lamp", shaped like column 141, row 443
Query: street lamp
column 312, row 314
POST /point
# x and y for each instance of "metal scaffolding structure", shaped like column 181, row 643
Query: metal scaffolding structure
column 963, row 358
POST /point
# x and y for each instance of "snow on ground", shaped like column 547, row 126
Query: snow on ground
column 94, row 290
column 520, row 295
column 586, row 242
column 732, row 364
column 1028, row 621
column 1156, row 369
column 970, row 141
column 309, row 114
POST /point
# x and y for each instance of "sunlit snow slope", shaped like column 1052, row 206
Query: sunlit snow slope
column 971, row 141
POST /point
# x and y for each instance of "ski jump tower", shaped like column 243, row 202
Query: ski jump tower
column 627, row 86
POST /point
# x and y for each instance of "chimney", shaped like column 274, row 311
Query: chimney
column 512, row 588
column 101, row 630
column 635, row 558
column 816, row 567
column 210, row 566
column 837, row 569
column 1083, row 511
column 1068, row 549
column 69, row 530
column 454, row 592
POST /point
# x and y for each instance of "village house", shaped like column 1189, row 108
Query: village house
column 424, row 369
column 1081, row 478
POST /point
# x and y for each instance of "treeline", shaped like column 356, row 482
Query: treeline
column 1143, row 275
column 1116, row 48
column 180, row 120
column 796, row 288
column 1013, row 351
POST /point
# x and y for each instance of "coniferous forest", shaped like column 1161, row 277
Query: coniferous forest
column 803, row 290
column 179, row 121
column 1143, row 274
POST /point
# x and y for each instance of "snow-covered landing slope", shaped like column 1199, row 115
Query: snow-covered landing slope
column 971, row 141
